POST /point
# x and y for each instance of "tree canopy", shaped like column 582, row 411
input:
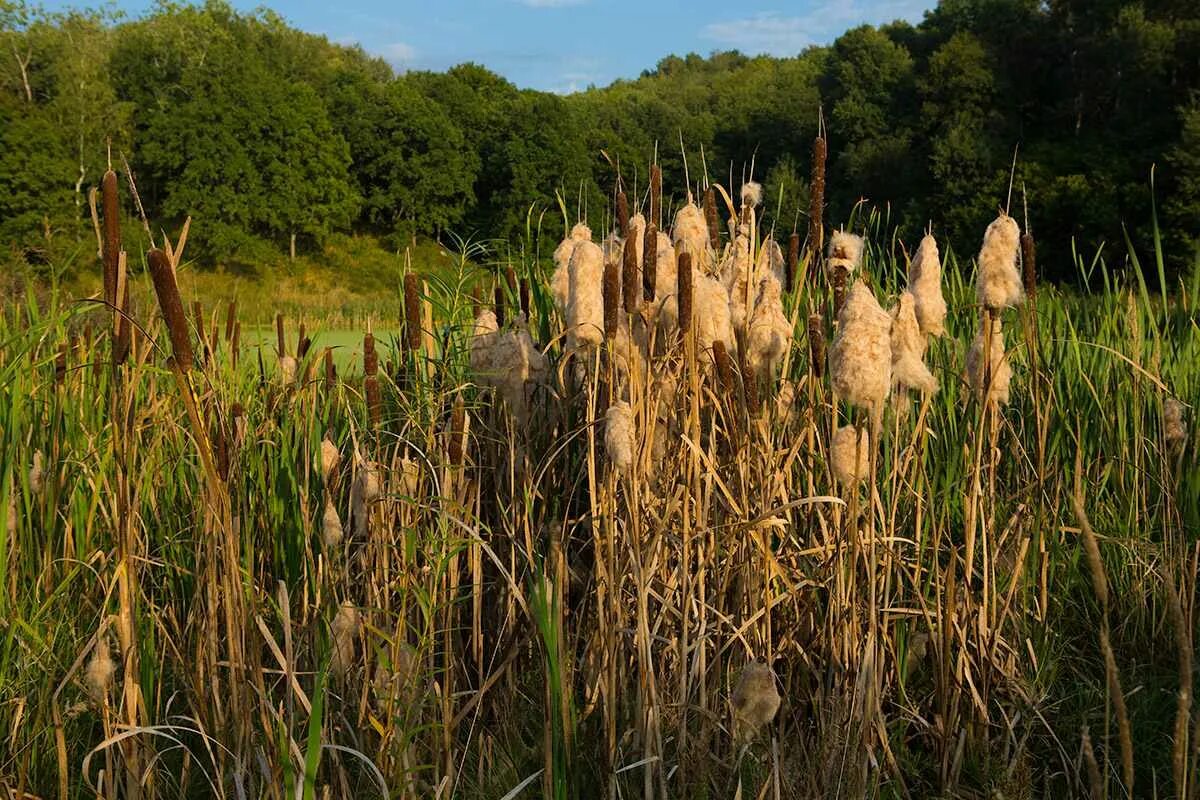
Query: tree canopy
column 269, row 135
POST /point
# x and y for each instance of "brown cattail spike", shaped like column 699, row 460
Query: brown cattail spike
column 236, row 343
column 655, row 194
column 412, row 311
column 524, row 297
column 683, row 286
column 330, row 370
column 649, row 262
column 750, row 388
column 840, row 276
column 612, row 298
column 110, row 203
column 230, row 318
column 713, row 220
column 1029, row 264
column 816, row 199
column 622, row 214
column 300, row 337
column 629, row 275
column 498, row 294
column 280, row 342
column 793, row 257
column 724, row 365
column 60, row 364
column 458, row 420
column 371, row 381
column 124, row 341
column 816, row 345
column 172, row 307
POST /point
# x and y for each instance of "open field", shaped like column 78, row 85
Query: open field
column 575, row 540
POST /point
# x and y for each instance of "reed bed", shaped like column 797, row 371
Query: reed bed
column 499, row 555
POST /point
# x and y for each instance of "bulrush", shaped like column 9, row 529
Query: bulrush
column 330, row 458
column 725, row 371
column 655, row 194
column 992, row 373
column 371, row 380
column 507, row 361
column 769, row 331
column 523, row 296
column 925, row 285
column 280, row 341
column 649, row 262
column 689, row 233
column 816, row 197
column 332, row 532
column 861, row 356
column 849, row 455
column 712, row 220
column 711, row 314
column 330, row 370
column 629, row 274
column 412, row 311
column 37, row 474
column 1029, row 263
column 683, row 284
column 1174, row 425
column 585, row 301
column 771, row 260
column 172, row 307
column 458, row 430
column 498, row 304
column 752, row 194
column 287, row 370
column 908, row 349
column 346, row 626
column 561, row 279
column 230, row 319
column 363, row 493
column 816, row 345
column 736, row 273
column 483, row 340
column 98, row 677
column 618, row 436
column 999, row 282
column 793, row 257
column 755, row 698
column 845, row 257
column 611, row 293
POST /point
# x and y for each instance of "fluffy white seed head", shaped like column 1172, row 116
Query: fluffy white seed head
column 618, row 436
column 516, row 367
column 1000, row 371
column 752, row 194
column 770, row 260
column 925, row 284
column 845, row 251
column 332, row 532
column 737, row 271
column 850, row 455
column 346, row 626
column 98, row 676
column 1174, row 423
column 329, row 458
column 483, row 341
column 755, row 698
column 769, row 334
column 710, row 301
column 287, row 370
column 37, row 473
column 560, row 280
column 689, row 235
column 860, row 359
column 999, row 282
column 585, row 295
column 908, row 349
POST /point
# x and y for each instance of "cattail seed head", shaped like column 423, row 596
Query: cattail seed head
column 850, row 455
column 861, row 356
column 816, row 198
column 287, row 370
column 649, row 262
column 585, row 302
column 332, row 531
column 793, row 257
column 1029, row 264
column 37, row 473
column 220, row 445
column 989, row 370
column 330, row 457
column 124, row 338
column 999, row 282
column 98, row 677
column 712, row 219
column 346, row 626
column 60, row 365
column 412, row 311
column 280, row 341
column 816, row 345
column 498, row 304
column 925, row 284
column 619, row 436
column 1174, row 424
column 622, row 214
column 724, row 364
column 629, row 274
column 683, row 283
column 755, row 698
column 523, row 296
column 611, row 291
column 172, row 307
column 908, row 349
column 458, row 430
column 230, row 319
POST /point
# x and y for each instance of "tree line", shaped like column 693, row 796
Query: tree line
column 273, row 138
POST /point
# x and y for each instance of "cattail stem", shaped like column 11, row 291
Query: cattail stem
column 1029, row 264
column 611, row 292
column 458, row 419
column 683, row 288
column 110, row 204
column 655, row 194
column 498, row 295
column 280, row 342
column 371, row 381
column 412, row 312
column 629, row 275
column 622, row 214
column 236, row 343
column 330, row 370
column 230, row 318
column 172, row 307
column 649, row 262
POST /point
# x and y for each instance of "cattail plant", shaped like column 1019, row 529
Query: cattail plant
column 655, row 195
column 816, row 345
column 60, row 365
column 346, row 627
column 999, row 283
column 845, row 257
column 585, row 301
column 332, row 531
column 649, row 262
column 816, row 198
column 523, row 297
column 330, row 370
column 236, row 345
column 619, row 436
column 755, row 699
column 683, row 283
column 725, row 371
column 458, row 430
column 371, row 380
column 330, row 457
column 622, row 214
column 988, row 371
column 1174, row 424
column 611, row 291
column 412, row 311
column 498, row 304
column 925, row 285
column 849, row 455
column 230, row 320
column 98, row 676
column 793, row 257
column 280, row 341
column 689, row 233
column 1029, row 263
column 629, row 274
column 908, row 349
column 712, row 219
column 861, row 356
column 110, row 204
column 172, row 307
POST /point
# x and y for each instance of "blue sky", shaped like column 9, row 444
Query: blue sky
column 565, row 45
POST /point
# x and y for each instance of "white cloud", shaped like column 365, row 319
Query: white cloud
column 775, row 34
column 399, row 54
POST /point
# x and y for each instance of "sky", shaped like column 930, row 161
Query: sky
column 567, row 45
